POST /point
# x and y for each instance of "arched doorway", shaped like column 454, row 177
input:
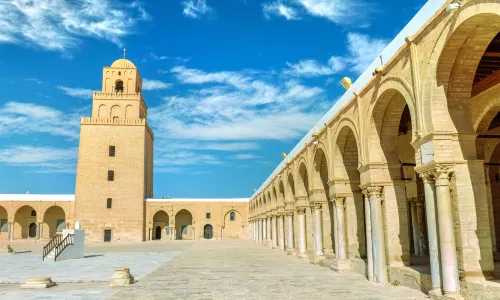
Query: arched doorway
column 232, row 225
column 161, row 220
column 183, row 225
column 23, row 218
column 32, row 230
column 208, row 232
column 4, row 224
column 158, row 233
column 54, row 222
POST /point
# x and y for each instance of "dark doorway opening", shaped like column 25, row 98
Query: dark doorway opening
column 208, row 232
column 158, row 233
column 32, row 232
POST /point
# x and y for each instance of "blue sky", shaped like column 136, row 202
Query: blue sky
column 230, row 84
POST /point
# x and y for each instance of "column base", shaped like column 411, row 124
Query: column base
column 291, row 251
column 435, row 294
column 302, row 255
column 340, row 265
column 264, row 242
column 316, row 259
column 275, row 246
column 281, row 248
column 452, row 296
column 270, row 243
column 325, row 263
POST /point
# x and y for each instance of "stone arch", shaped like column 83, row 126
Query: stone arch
column 320, row 171
column 349, row 123
column 54, row 221
column 103, row 111
column 290, row 194
column 115, row 112
column 184, row 224
column 233, row 229
column 281, row 192
column 4, row 223
column 161, row 219
column 302, row 188
column 274, row 197
column 23, row 217
column 130, row 85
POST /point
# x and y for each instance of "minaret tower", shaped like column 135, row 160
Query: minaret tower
column 115, row 159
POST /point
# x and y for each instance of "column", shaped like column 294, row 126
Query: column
column 290, row 246
column 274, row 231
column 301, row 212
column 222, row 233
column 449, row 264
column 11, row 231
column 378, row 236
column 368, row 233
column 269, row 237
column 341, row 234
column 260, row 230
column 414, row 226
column 422, row 235
column 281, row 235
column 318, row 230
column 264, row 230
column 430, row 209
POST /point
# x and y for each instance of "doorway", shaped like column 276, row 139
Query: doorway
column 32, row 230
column 208, row 232
column 158, row 233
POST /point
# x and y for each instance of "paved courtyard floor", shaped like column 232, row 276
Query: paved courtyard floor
column 212, row 270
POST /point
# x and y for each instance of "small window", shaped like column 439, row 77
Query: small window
column 207, row 215
column 119, row 86
column 119, row 73
column 111, row 175
column 4, row 226
column 33, row 213
column 109, row 202
column 232, row 216
column 107, row 235
column 112, row 150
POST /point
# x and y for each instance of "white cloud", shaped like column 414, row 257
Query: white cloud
column 25, row 118
column 279, row 9
column 244, row 156
column 362, row 50
column 37, row 81
column 76, row 92
column 58, row 24
column 177, row 59
column 151, row 84
column 337, row 11
column 218, row 146
column 196, row 8
column 312, row 68
column 40, row 159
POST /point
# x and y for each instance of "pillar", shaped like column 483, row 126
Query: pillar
column 422, row 233
column 318, row 230
column 414, row 226
column 449, row 264
column 368, row 233
column 430, row 210
column 264, row 230
column 150, row 233
column 260, row 230
column 222, row 233
column 378, row 235
column 274, row 231
column 11, row 231
column 281, row 233
column 269, row 232
column 341, row 234
column 39, row 230
column 301, row 219
column 290, row 247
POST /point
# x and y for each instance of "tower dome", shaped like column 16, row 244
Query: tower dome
column 123, row 63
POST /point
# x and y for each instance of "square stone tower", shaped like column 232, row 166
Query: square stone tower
column 115, row 159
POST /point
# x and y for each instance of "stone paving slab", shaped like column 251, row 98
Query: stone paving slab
column 246, row 270
column 73, row 291
column 94, row 267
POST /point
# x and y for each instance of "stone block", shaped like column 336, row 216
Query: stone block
column 122, row 277
column 38, row 283
column 340, row 265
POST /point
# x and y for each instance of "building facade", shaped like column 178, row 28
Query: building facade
column 401, row 183
column 114, row 182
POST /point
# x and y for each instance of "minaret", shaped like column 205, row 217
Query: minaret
column 115, row 159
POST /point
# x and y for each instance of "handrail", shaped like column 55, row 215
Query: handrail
column 53, row 242
column 68, row 240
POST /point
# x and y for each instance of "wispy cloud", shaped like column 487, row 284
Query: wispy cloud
column 25, row 118
column 337, row 11
column 76, row 92
column 196, row 9
column 58, row 24
column 279, row 9
column 218, row 146
column 40, row 159
column 156, row 57
column 151, row 84
column 37, row 81
column 244, row 156
column 361, row 51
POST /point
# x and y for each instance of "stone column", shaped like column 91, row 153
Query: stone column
column 301, row 212
column 275, row 231
column 422, row 234
column 368, row 232
column 430, row 208
column 341, row 232
column 269, row 232
column 264, row 230
column 39, row 230
column 378, row 236
column 449, row 264
column 414, row 226
column 281, row 235
column 222, row 233
column 290, row 247
column 11, row 231
column 261, row 230
column 318, row 230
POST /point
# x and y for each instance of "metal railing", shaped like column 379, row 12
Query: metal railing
column 68, row 240
column 56, row 240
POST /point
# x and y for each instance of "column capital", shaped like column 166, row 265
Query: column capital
column 339, row 201
column 317, row 205
column 373, row 191
column 301, row 210
column 289, row 212
column 427, row 177
column 442, row 175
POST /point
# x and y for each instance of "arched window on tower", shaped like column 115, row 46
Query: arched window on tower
column 119, row 86
column 232, row 216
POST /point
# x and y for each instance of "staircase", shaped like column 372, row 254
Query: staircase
column 56, row 246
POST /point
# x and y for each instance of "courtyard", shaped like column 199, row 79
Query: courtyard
column 187, row 270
